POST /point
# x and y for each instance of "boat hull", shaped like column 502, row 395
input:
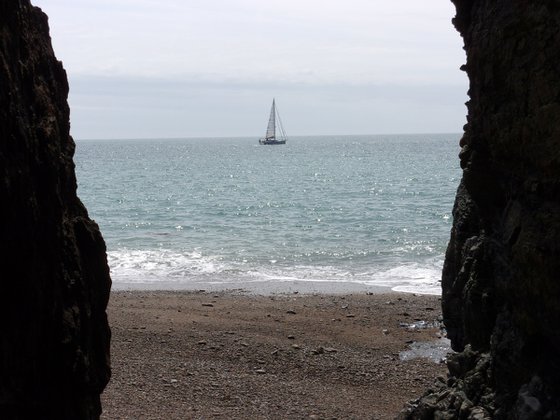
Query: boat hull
column 264, row 141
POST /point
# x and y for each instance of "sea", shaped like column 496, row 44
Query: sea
column 197, row 213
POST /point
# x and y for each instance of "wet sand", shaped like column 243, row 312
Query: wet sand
column 234, row 355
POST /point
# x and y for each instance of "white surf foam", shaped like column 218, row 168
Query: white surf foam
column 167, row 266
column 145, row 266
column 421, row 278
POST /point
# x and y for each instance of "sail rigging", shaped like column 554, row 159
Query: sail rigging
column 274, row 122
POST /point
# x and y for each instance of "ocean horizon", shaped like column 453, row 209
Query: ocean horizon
column 346, row 211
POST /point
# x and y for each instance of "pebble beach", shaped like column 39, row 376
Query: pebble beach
column 238, row 355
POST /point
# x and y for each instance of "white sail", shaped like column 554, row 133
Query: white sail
column 271, row 128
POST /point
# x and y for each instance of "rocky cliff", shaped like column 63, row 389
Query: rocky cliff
column 54, row 279
column 501, row 281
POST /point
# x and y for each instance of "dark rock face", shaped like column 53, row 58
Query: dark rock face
column 501, row 279
column 54, row 279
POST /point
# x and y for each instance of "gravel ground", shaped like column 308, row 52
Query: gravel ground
column 230, row 355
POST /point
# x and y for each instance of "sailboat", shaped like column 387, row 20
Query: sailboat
column 270, row 136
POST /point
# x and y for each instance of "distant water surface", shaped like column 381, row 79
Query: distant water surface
column 373, row 210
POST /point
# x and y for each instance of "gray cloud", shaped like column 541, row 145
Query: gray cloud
column 170, row 68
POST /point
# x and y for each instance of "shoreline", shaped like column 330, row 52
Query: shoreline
column 269, row 287
column 259, row 288
column 236, row 354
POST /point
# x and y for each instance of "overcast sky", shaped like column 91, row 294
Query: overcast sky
column 192, row 68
